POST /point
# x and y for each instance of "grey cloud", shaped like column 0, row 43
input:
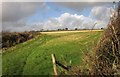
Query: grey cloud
column 81, row 0
column 58, row 0
column 14, row 11
column 0, row 9
column 14, row 14
column 23, row 1
column 80, row 6
column 20, row 27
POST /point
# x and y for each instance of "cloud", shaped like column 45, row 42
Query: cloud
column 22, row 0
column 14, row 11
column 15, row 14
column 65, row 20
column 80, row 6
column 11, row 27
column 0, row 9
column 70, row 21
column 99, row 15
column 58, row 0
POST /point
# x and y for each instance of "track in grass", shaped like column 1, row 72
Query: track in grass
column 34, row 57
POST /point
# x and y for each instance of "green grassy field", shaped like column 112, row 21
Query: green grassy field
column 34, row 57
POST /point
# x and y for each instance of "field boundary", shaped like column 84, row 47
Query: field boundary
column 69, row 31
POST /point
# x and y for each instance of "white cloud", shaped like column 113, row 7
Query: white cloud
column 67, row 20
column 101, row 15
column 98, row 14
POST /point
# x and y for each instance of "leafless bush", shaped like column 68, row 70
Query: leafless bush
column 107, row 52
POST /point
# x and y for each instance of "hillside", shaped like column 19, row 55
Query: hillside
column 34, row 56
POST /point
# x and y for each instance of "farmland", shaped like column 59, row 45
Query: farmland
column 34, row 56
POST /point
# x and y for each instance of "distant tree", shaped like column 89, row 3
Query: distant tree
column 84, row 29
column 76, row 29
column 66, row 28
column 47, row 30
column 42, row 30
column 59, row 29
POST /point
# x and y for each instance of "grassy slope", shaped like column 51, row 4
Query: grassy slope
column 34, row 57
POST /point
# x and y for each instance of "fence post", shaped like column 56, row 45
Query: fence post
column 54, row 64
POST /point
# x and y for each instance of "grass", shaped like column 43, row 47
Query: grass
column 34, row 57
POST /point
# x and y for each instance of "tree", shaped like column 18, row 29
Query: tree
column 42, row 30
column 59, row 29
column 76, row 29
column 66, row 28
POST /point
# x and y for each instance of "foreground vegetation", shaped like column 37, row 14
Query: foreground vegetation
column 34, row 56
column 11, row 39
column 107, row 52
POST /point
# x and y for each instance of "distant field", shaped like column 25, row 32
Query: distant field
column 70, row 31
column 34, row 57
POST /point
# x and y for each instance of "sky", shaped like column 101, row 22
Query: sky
column 27, row 16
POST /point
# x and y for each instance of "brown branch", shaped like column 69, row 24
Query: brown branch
column 63, row 66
